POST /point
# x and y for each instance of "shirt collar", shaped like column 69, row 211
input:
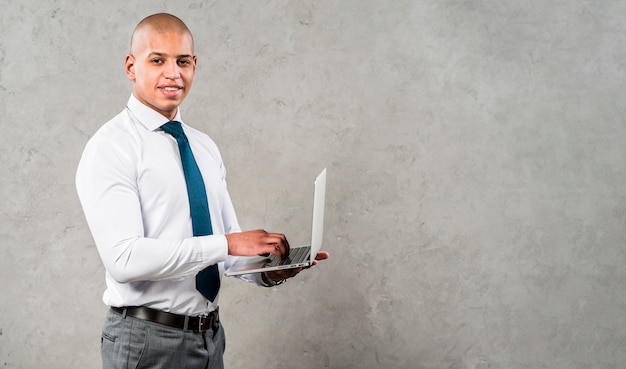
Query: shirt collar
column 148, row 117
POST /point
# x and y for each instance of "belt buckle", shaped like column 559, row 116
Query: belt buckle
column 202, row 320
column 207, row 321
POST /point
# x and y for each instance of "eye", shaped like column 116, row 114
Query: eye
column 156, row 61
column 184, row 62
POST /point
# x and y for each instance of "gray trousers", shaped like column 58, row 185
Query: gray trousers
column 130, row 343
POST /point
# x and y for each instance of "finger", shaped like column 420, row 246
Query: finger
column 266, row 249
column 275, row 248
column 278, row 251
column 283, row 244
column 322, row 255
column 279, row 244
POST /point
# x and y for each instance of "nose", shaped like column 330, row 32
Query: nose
column 172, row 70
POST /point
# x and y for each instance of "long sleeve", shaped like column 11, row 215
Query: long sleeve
column 108, row 189
column 132, row 189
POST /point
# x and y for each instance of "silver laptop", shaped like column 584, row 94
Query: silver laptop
column 301, row 256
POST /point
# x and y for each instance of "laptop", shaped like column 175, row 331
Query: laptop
column 301, row 256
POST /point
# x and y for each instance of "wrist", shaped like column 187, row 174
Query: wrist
column 269, row 281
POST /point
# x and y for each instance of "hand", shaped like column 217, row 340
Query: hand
column 279, row 275
column 259, row 242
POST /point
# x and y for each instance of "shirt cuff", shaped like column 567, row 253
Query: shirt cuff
column 213, row 249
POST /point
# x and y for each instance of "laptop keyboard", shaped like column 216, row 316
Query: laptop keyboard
column 296, row 255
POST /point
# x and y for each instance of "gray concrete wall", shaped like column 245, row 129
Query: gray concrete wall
column 476, row 160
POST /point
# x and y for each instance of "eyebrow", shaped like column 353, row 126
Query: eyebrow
column 155, row 53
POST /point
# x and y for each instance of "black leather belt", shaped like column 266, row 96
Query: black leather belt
column 201, row 323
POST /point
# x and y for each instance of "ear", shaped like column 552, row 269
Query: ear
column 129, row 67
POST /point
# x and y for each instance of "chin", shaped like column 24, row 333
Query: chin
column 168, row 109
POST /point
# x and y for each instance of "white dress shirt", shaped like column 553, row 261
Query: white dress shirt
column 132, row 189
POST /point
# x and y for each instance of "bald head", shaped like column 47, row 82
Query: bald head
column 159, row 23
column 161, row 63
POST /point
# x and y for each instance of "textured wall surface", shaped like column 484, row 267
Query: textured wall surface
column 476, row 200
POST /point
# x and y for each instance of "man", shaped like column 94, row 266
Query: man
column 136, row 190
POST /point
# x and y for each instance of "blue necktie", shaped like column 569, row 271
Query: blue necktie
column 208, row 280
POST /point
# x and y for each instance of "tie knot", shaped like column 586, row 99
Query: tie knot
column 174, row 128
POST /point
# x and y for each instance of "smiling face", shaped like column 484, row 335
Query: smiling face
column 162, row 66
